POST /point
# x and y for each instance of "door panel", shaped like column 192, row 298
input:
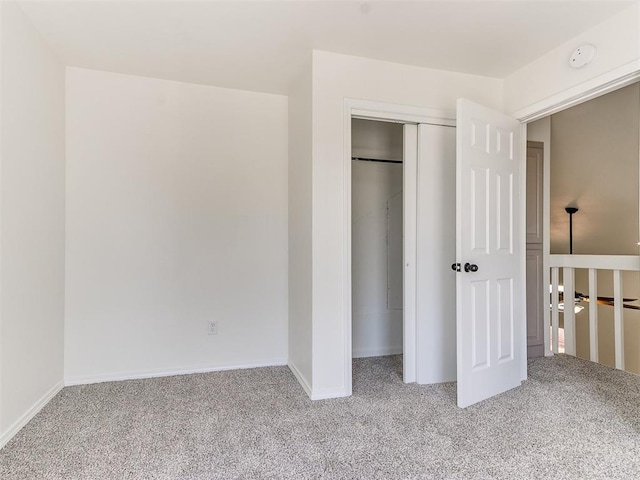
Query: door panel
column 409, row 283
column 436, row 282
column 480, row 324
column 480, row 203
column 535, row 286
column 505, row 320
column 504, row 224
column 535, row 162
column 535, row 302
column 489, row 244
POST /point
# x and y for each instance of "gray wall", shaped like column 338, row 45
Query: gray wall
column 594, row 165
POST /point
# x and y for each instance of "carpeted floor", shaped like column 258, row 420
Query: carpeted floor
column 571, row 420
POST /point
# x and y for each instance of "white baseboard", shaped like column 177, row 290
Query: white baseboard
column 329, row 393
column 117, row 377
column 301, row 379
column 32, row 412
column 377, row 352
column 316, row 394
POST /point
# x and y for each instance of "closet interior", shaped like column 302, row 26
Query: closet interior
column 377, row 238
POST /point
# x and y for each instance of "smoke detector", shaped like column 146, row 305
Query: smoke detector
column 582, row 56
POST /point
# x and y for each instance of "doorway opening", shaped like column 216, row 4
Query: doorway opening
column 398, row 166
column 377, row 245
column 441, row 344
column 588, row 198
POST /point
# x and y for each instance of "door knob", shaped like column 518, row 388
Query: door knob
column 470, row 267
column 455, row 267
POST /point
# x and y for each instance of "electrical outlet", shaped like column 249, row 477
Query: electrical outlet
column 213, row 327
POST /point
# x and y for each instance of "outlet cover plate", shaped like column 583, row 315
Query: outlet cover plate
column 212, row 327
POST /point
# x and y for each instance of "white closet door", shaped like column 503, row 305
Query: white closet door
column 436, row 250
column 410, row 159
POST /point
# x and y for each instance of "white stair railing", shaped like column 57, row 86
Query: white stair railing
column 569, row 263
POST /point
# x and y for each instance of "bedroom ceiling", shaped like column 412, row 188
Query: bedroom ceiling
column 262, row 45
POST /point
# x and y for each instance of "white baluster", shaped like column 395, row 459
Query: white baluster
column 555, row 299
column 618, row 323
column 568, row 279
column 593, row 314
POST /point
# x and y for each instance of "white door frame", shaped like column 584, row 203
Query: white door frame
column 370, row 110
column 584, row 92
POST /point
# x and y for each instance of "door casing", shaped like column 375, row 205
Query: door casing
column 410, row 116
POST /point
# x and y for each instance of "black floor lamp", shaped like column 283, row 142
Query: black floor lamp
column 571, row 211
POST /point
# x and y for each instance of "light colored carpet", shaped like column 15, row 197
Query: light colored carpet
column 571, row 420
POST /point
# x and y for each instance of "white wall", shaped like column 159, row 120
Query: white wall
column 300, row 327
column 550, row 79
column 176, row 215
column 32, row 223
column 336, row 77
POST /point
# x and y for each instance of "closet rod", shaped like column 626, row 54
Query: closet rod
column 362, row 159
